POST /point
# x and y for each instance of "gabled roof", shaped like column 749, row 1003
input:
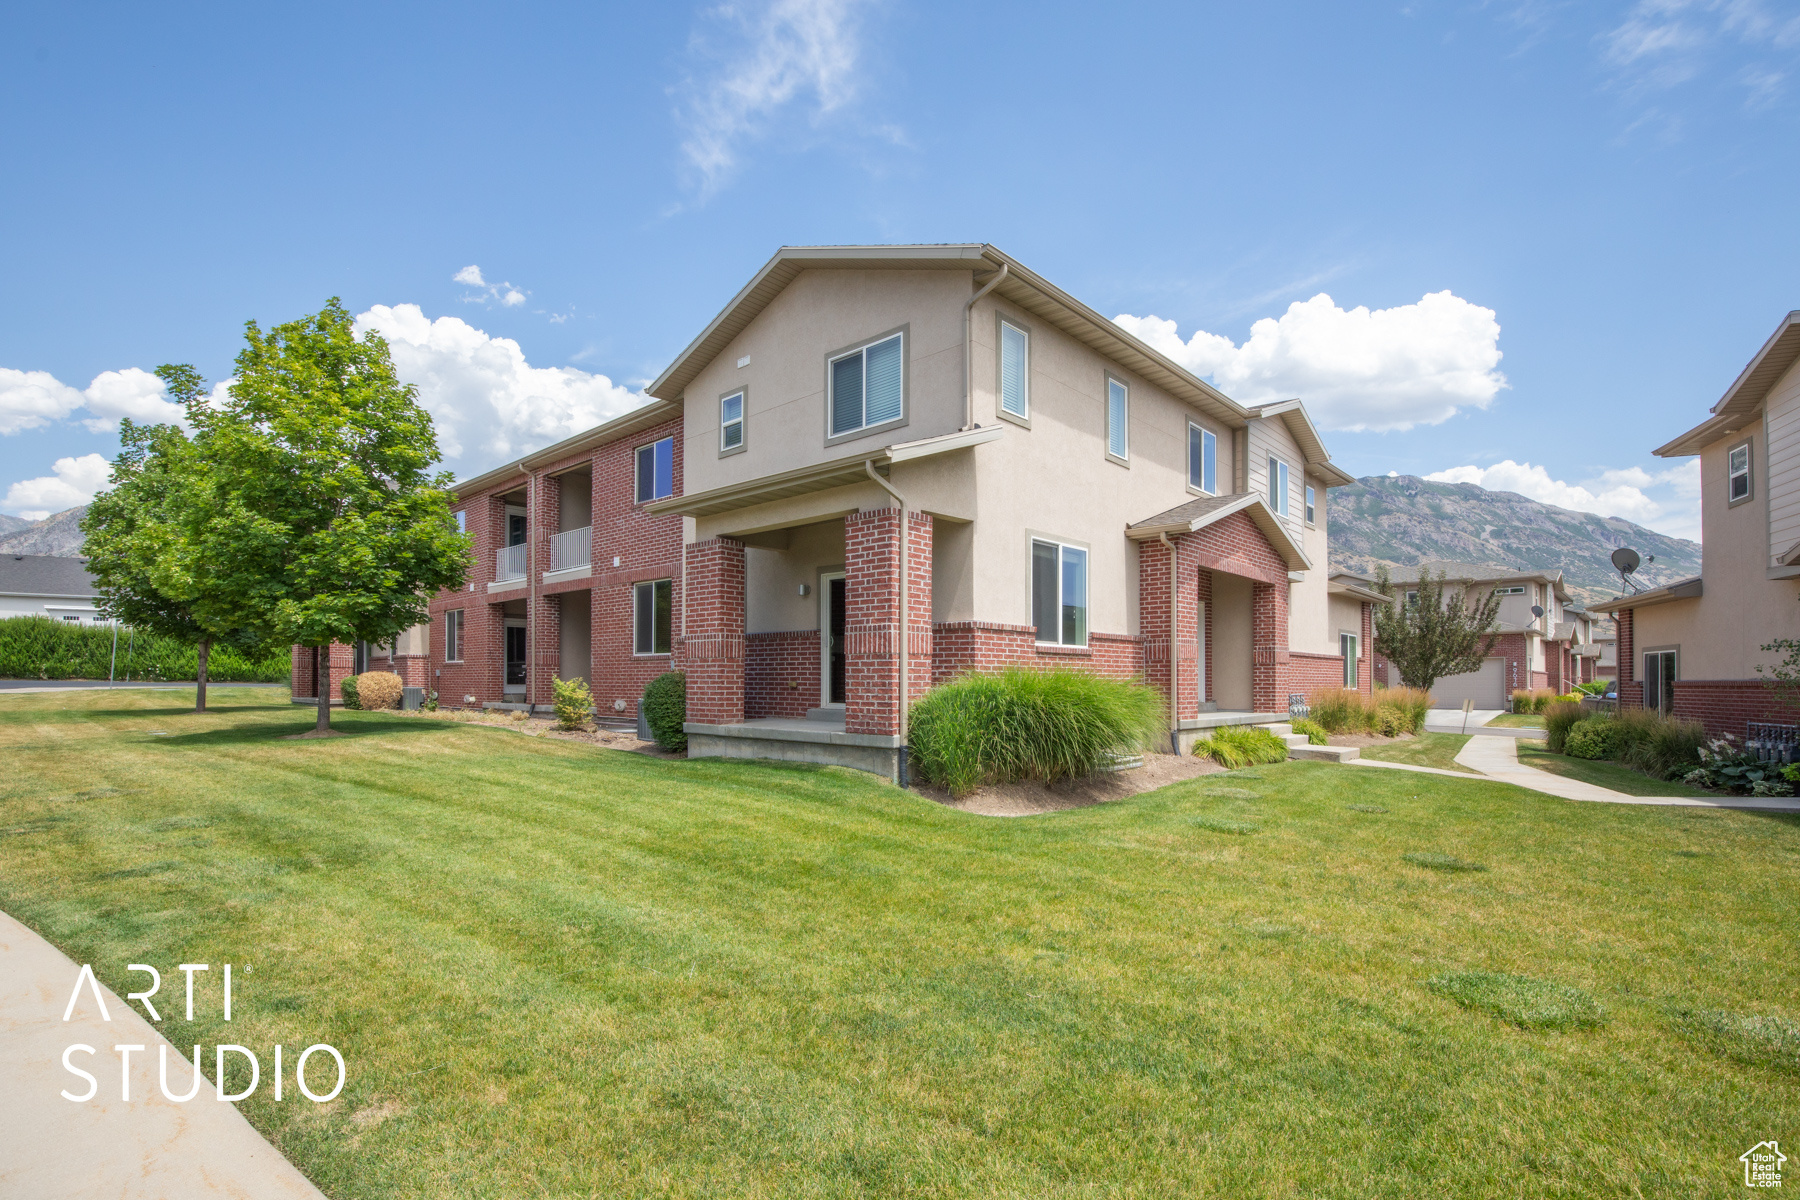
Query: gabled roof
column 1476, row 573
column 1348, row 583
column 641, row 417
column 1300, row 426
column 1744, row 398
column 1198, row 514
column 45, row 575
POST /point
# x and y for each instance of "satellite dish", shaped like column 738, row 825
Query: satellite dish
column 1625, row 559
column 1537, row 610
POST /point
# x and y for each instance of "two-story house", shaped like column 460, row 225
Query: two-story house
column 1693, row 647
column 1069, row 495
column 1545, row 639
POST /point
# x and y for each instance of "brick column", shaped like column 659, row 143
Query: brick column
column 1153, row 620
column 710, row 648
column 872, row 617
column 1365, row 674
column 1270, row 683
column 1631, row 689
column 1203, row 592
column 545, row 654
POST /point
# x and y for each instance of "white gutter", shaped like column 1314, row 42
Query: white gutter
column 969, row 349
column 905, row 616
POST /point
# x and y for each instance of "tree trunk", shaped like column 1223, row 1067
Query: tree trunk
column 200, row 686
column 322, row 685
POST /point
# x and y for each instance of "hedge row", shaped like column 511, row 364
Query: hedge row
column 42, row 648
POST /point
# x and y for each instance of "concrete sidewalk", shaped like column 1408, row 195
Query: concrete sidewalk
column 150, row 1147
column 26, row 686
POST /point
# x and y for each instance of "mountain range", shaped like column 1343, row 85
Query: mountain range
column 58, row 535
column 1402, row 521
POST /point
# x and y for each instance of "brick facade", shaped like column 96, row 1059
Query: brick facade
column 872, row 617
column 781, row 673
column 710, row 648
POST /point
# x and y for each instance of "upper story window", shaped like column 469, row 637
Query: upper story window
column 868, row 386
column 731, row 422
column 1015, row 362
column 515, row 526
column 462, row 522
column 656, row 470
column 1118, row 419
column 1059, row 593
column 1310, row 502
column 1278, row 486
column 1737, row 474
column 453, row 635
column 1510, row 591
column 1203, row 460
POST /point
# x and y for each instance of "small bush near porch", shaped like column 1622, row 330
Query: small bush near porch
column 1021, row 723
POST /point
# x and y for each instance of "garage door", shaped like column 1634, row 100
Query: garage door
column 1486, row 687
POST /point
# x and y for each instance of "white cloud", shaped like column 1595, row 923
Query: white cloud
column 1664, row 43
column 34, row 399
column 1615, row 492
column 470, row 275
column 75, row 482
column 1356, row 369
column 489, row 404
column 488, row 293
column 783, row 50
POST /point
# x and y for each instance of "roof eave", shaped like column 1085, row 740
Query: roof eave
column 654, row 413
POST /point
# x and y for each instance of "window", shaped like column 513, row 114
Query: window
column 1309, row 504
column 868, row 385
column 1278, row 486
column 1509, row 591
column 1412, row 598
column 515, row 526
column 650, row 617
column 1737, row 473
column 1118, row 416
column 1203, row 457
column 76, row 620
column 1659, row 680
column 1015, row 374
column 656, row 470
column 462, row 522
column 1059, row 593
column 453, row 635
column 1347, row 646
column 731, row 422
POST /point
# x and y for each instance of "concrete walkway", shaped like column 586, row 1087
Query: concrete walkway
column 82, row 685
column 1450, row 720
column 148, row 1147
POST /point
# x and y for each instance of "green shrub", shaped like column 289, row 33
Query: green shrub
column 574, row 702
column 1533, row 700
column 1314, row 732
column 1236, row 746
column 42, row 648
column 1659, row 746
column 1558, row 720
column 1414, row 703
column 1596, row 688
column 1340, row 710
column 665, row 710
column 351, row 691
column 1389, row 721
column 1020, row 723
column 1593, row 737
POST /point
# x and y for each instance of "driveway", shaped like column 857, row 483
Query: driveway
column 1450, row 720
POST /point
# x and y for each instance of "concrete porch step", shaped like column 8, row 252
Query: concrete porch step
column 1325, row 753
column 831, row 713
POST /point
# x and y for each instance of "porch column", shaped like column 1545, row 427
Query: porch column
column 872, row 617
column 1365, row 667
column 710, row 647
column 1153, row 621
column 1270, row 684
column 545, row 616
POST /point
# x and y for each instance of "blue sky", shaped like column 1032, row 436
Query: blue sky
column 1569, row 222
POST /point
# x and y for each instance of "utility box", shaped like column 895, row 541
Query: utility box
column 412, row 698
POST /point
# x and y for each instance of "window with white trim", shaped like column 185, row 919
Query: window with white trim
column 1059, row 593
column 868, row 386
column 1203, row 460
column 1737, row 473
column 651, row 617
column 462, row 522
column 1118, row 418
column 1309, row 504
column 1278, row 486
column 656, row 470
column 1348, row 647
column 1015, row 364
column 1510, row 591
column 731, row 421
column 453, row 635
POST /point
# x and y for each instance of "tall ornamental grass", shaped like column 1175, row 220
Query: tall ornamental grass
column 42, row 648
column 1559, row 718
column 1234, row 746
column 1641, row 738
column 1390, row 712
column 1020, row 723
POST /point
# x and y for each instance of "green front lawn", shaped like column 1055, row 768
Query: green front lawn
column 1426, row 750
column 557, row 970
column 1518, row 721
column 1612, row 775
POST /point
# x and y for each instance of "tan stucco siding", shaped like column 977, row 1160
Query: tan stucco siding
column 1345, row 616
column 772, row 579
column 819, row 313
column 1783, row 479
column 1311, row 628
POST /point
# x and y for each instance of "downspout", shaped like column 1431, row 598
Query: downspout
column 969, row 353
column 905, row 613
column 1174, row 712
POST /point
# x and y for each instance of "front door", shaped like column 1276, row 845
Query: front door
column 831, row 628
column 515, row 656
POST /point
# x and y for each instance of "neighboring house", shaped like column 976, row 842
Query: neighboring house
column 39, row 585
column 1553, row 650
column 1693, row 647
column 745, row 527
column 1607, row 665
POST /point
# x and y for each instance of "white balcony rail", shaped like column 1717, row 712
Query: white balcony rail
column 509, row 563
column 572, row 548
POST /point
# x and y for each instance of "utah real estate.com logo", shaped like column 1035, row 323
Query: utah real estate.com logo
column 1762, row 1165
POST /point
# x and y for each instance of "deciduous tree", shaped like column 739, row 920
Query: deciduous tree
column 1426, row 637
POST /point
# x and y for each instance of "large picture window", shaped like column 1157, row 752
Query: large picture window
column 1659, row 680
column 1278, row 486
column 1203, row 460
column 1059, row 593
column 1118, row 419
column 868, row 386
column 453, row 635
column 1737, row 473
column 651, row 617
column 656, row 471
column 1015, row 385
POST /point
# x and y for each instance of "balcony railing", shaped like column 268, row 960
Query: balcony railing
column 509, row 563
column 572, row 548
